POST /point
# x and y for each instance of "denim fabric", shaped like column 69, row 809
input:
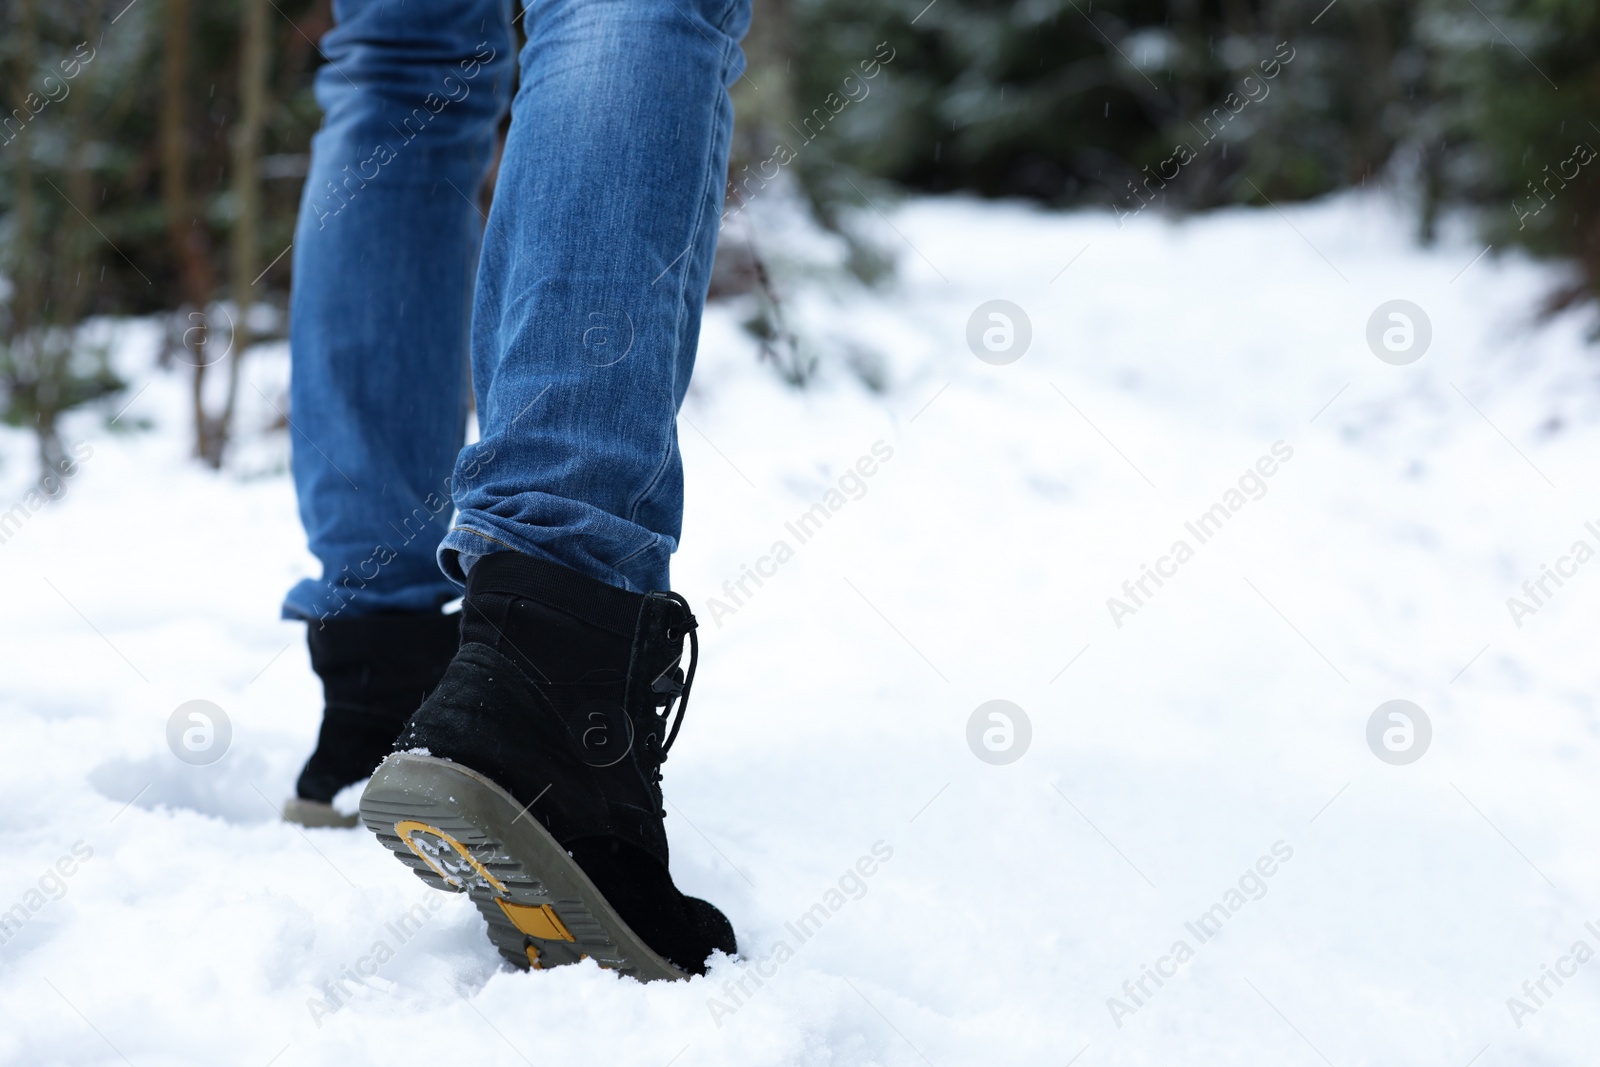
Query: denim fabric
column 584, row 318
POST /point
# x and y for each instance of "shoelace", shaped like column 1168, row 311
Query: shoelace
column 676, row 693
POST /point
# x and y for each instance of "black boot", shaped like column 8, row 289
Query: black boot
column 376, row 670
column 531, row 778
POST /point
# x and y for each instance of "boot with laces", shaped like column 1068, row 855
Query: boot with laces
column 531, row 777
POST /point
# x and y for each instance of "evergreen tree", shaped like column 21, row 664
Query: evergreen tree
column 1069, row 101
column 1522, row 82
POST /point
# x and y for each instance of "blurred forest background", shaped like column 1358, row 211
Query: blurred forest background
column 152, row 155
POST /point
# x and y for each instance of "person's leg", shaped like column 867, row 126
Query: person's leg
column 384, row 257
column 531, row 778
column 594, row 271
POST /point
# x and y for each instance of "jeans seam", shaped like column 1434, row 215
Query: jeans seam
column 480, row 533
column 654, row 540
column 694, row 233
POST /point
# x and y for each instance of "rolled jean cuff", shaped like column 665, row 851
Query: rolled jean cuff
column 641, row 567
column 319, row 601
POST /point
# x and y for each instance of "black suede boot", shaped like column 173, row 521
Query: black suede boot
column 376, row 670
column 531, row 777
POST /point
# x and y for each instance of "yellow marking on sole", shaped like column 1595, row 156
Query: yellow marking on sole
column 533, row 958
column 539, row 921
column 406, row 827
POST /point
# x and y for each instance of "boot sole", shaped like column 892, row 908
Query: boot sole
column 460, row 832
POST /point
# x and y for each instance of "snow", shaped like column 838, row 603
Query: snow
column 1219, row 731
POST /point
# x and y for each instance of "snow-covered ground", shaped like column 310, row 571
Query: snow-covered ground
column 1177, row 752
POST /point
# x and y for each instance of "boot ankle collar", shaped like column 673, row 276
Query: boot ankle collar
column 584, row 598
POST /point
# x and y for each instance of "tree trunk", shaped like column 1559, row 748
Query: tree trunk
column 190, row 245
column 70, row 282
column 25, row 303
column 253, row 44
column 27, row 360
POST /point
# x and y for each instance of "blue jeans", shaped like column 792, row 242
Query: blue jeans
column 594, row 263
